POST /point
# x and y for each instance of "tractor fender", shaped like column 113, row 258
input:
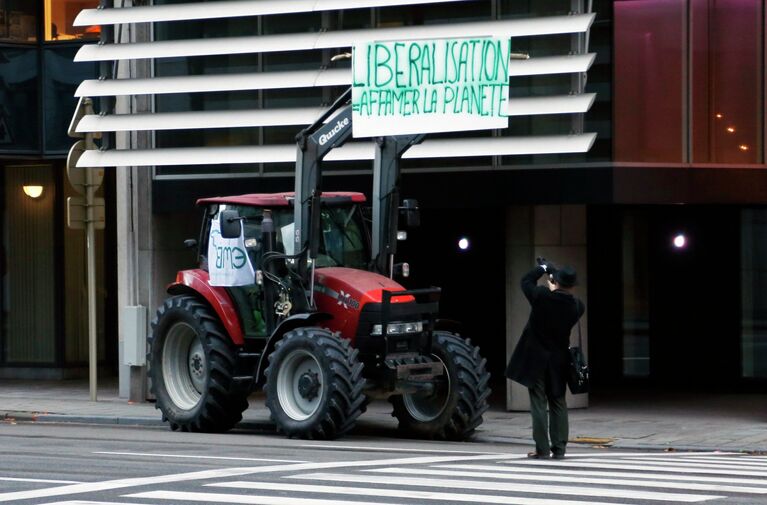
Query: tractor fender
column 291, row 323
column 195, row 282
column 449, row 325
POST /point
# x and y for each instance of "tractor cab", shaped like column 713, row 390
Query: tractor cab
column 344, row 238
column 344, row 241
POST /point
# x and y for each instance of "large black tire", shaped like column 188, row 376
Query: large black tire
column 192, row 362
column 454, row 409
column 314, row 384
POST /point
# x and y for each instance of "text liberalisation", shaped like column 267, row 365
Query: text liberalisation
column 402, row 87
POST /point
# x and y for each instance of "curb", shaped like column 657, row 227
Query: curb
column 13, row 415
column 268, row 427
column 94, row 419
column 45, row 417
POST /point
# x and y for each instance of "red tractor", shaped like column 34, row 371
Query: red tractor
column 322, row 327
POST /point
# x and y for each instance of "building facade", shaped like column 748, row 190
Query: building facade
column 635, row 151
column 43, row 331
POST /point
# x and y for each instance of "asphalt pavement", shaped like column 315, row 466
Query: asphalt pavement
column 86, row 464
column 631, row 420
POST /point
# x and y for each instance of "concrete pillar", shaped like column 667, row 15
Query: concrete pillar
column 135, row 278
column 558, row 233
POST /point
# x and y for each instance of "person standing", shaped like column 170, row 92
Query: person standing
column 541, row 358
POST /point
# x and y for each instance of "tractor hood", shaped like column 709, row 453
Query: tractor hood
column 343, row 292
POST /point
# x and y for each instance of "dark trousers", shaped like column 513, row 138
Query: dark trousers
column 550, row 428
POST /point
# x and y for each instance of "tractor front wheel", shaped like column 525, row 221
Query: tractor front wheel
column 314, row 384
column 454, row 407
column 192, row 363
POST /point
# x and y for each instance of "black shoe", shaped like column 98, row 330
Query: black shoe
column 536, row 455
column 558, row 456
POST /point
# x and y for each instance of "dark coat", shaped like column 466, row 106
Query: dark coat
column 542, row 350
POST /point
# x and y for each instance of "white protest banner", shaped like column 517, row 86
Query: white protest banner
column 228, row 263
column 426, row 86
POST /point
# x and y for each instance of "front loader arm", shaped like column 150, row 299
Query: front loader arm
column 313, row 143
column 386, row 180
column 332, row 130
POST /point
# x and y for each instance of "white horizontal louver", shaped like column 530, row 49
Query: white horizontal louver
column 334, row 39
column 229, row 9
column 294, row 79
column 199, row 120
column 298, row 117
column 295, row 116
column 564, row 104
column 551, row 65
column 357, row 151
column 216, row 82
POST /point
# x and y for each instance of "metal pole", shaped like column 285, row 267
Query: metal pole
column 90, row 232
column 90, row 248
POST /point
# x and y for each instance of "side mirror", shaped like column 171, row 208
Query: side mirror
column 190, row 243
column 412, row 213
column 229, row 221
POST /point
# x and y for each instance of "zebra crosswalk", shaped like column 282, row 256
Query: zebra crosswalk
column 587, row 478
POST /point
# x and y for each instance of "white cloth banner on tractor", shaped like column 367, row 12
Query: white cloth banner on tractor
column 228, row 263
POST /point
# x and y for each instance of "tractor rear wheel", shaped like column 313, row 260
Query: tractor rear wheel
column 314, row 384
column 454, row 408
column 192, row 363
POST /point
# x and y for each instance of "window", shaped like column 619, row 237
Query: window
column 342, row 239
column 529, row 8
column 19, row 107
column 726, row 82
column 30, row 296
column 649, row 82
column 753, row 293
column 60, row 17
column 636, row 312
column 17, row 20
column 688, row 81
column 60, row 80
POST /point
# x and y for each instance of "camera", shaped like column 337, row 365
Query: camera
column 549, row 267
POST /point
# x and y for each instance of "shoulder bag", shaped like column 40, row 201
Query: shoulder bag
column 578, row 372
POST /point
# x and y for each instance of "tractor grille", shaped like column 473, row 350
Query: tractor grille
column 424, row 309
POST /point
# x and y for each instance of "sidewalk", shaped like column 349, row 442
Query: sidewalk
column 630, row 420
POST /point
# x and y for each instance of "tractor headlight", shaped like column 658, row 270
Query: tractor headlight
column 399, row 328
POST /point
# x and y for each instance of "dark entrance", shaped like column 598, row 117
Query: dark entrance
column 694, row 295
column 663, row 316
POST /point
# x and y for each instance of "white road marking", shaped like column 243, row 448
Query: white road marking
column 42, row 481
column 230, row 472
column 684, row 463
column 91, row 487
column 512, row 488
column 738, row 460
column 395, row 449
column 623, row 466
column 389, row 493
column 192, row 456
column 591, row 473
column 579, row 479
column 735, row 461
column 86, row 502
column 244, row 499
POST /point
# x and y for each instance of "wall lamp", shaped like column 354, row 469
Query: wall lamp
column 33, row 190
